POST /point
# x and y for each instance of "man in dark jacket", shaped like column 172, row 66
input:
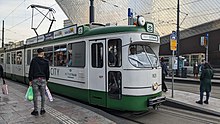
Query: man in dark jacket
column 38, row 77
column 164, row 73
column 2, row 74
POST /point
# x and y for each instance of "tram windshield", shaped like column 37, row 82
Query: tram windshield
column 142, row 56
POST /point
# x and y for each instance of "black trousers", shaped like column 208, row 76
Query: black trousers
column 164, row 87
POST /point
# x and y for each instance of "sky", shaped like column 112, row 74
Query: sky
column 17, row 18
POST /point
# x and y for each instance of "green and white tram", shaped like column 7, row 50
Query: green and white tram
column 115, row 67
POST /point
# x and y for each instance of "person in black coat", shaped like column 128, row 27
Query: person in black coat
column 164, row 73
column 205, row 83
column 38, row 77
column 2, row 74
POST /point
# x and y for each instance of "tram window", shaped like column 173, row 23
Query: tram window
column 2, row 59
column 60, row 55
column 114, row 52
column 28, row 57
column 78, row 54
column 97, row 55
column 13, row 58
column 70, row 56
column 48, row 53
column 19, row 58
column 34, row 53
column 8, row 58
column 142, row 56
column 114, row 84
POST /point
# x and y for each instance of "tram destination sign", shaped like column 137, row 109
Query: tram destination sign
column 40, row 38
column 149, row 37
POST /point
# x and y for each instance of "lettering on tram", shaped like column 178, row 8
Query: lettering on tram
column 54, row 71
column 70, row 74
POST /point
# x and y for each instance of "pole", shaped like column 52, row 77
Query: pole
column 207, row 47
column 91, row 12
column 172, row 73
column 3, row 34
column 178, row 37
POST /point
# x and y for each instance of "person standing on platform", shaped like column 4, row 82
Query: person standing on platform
column 1, row 72
column 205, row 83
column 164, row 73
column 196, row 70
column 38, row 77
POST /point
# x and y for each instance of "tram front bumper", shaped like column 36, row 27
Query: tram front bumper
column 156, row 101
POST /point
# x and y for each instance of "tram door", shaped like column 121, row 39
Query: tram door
column 97, row 78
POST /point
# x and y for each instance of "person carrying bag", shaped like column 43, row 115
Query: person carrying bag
column 4, row 86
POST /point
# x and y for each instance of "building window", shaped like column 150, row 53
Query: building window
column 114, row 53
column 97, row 55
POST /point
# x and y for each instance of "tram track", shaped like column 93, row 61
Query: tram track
column 146, row 117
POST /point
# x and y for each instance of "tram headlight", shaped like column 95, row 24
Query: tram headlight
column 155, row 86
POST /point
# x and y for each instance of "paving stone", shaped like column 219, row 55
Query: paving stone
column 14, row 109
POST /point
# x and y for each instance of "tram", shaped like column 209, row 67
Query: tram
column 116, row 67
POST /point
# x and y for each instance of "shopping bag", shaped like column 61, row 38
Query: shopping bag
column 48, row 94
column 5, row 89
column 29, row 94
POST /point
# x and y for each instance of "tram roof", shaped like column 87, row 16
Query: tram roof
column 73, row 32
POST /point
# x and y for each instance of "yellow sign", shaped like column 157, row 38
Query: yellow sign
column 173, row 44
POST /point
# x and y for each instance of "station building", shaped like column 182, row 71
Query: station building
column 190, row 44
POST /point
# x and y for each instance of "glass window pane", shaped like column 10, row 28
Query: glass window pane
column 2, row 59
column 114, row 52
column 28, row 57
column 8, row 58
column 78, row 54
column 48, row 53
column 19, row 58
column 142, row 56
column 60, row 55
column 97, row 55
column 13, row 55
column 34, row 53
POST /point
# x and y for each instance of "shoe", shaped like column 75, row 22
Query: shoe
column 164, row 90
column 35, row 113
column 206, row 102
column 42, row 111
column 199, row 102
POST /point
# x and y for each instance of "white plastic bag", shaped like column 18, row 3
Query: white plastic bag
column 48, row 94
column 5, row 89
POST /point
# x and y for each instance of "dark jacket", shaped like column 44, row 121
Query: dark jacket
column 39, row 67
column 164, row 68
column 1, row 72
column 205, row 80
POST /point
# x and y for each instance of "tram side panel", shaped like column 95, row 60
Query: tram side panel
column 18, row 65
column 8, row 67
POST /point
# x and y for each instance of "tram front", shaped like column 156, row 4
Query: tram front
column 142, row 71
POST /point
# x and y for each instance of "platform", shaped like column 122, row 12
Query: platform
column 188, row 99
column 14, row 109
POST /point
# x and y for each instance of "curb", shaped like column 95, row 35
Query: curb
column 180, row 105
column 214, row 83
